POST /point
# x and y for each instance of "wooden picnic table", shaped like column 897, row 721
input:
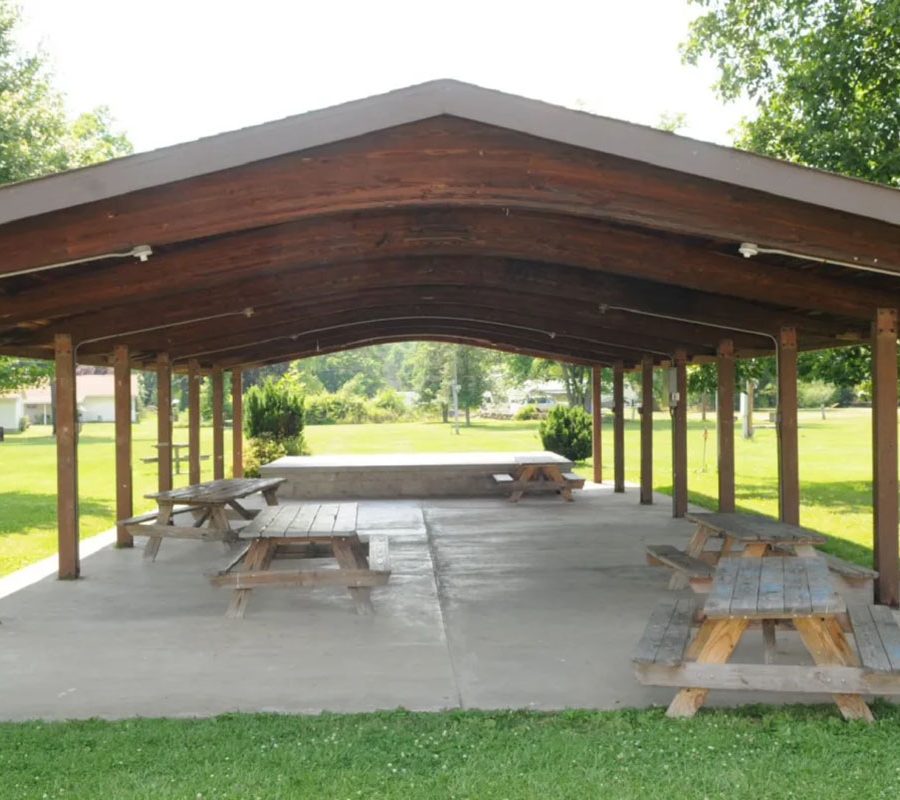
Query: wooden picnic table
column 530, row 475
column 208, row 502
column 310, row 530
column 757, row 536
column 178, row 457
column 756, row 533
column 756, row 589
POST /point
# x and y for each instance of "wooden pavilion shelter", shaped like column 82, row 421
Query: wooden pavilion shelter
column 452, row 213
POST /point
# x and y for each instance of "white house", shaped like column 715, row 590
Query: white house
column 12, row 409
column 95, row 395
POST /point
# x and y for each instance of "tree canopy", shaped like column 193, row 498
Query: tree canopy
column 36, row 138
column 825, row 76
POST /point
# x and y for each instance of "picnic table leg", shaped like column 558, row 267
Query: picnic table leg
column 755, row 549
column 218, row 520
column 768, row 629
column 695, row 547
column 828, row 646
column 349, row 554
column 271, row 497
column 153, row 543
column 200, row 516
column 523, row 476
column 719, row 638
column 256, row 557
column 554, row 475
column 244, row 513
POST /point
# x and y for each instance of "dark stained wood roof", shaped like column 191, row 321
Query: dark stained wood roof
column 508, row 223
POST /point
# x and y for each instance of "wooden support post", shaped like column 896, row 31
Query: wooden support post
column 647, row 430
column 194, row 379
column 218, row 401
column 884, row 456
column 237, row 424
column 679, row 438
column 788, row 454
column 597, row 425
column 66, row 458
column 725, row 424
column 619, row 427
column 123, row 402
column 164, row 421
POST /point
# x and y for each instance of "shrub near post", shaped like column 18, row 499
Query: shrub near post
column 273, row 421
column 567, row 431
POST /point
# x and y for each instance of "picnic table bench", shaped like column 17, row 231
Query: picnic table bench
column 538, row 476
column 789, row 588
column 310, row 530
column 208, row 503
column 757, row 535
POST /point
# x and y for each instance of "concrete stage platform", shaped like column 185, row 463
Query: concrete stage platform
column 412, row 475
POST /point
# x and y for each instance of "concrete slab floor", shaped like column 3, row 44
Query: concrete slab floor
column 490, row 605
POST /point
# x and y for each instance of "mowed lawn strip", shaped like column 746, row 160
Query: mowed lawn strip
column 835, row 461
column 796, row 752
column 28, row 484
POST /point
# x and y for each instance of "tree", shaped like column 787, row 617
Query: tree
column 825, row 76
column 20, row 373
column 37, row 138
column 843, row 367
column 147, row 387
column 472, row 375
column 206, row 397
column 364, row 364
column 703, row 380
column 424, row 369
column 575, row 378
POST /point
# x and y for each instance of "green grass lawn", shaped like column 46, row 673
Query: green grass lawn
column 28, row 485
column 835, row 457
column 757, row 753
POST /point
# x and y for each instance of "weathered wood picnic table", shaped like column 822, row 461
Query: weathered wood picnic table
column 533, row 475
column 756, row 535
column 179, row 455
column 311, row 530
column 747, row 590
column 207, row 502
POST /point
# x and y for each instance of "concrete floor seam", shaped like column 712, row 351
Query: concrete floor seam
column 438, row 583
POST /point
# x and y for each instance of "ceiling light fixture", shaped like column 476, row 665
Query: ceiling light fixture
column 751, row 249
column 141, row 252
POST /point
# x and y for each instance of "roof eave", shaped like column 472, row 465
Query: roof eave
column 466, row 101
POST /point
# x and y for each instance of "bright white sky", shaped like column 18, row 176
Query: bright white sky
column 174, row 70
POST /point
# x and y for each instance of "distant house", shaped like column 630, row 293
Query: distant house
column 12, row 409
column 95, row 395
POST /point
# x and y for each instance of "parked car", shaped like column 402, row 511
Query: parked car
column 543, row 403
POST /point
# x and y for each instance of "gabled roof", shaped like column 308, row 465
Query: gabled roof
column 466, row 101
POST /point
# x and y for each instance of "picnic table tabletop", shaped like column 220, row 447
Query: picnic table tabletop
column 306, row 520
column 748, row 528
column 309, row 530
column 215, row 492
column 783, row 587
